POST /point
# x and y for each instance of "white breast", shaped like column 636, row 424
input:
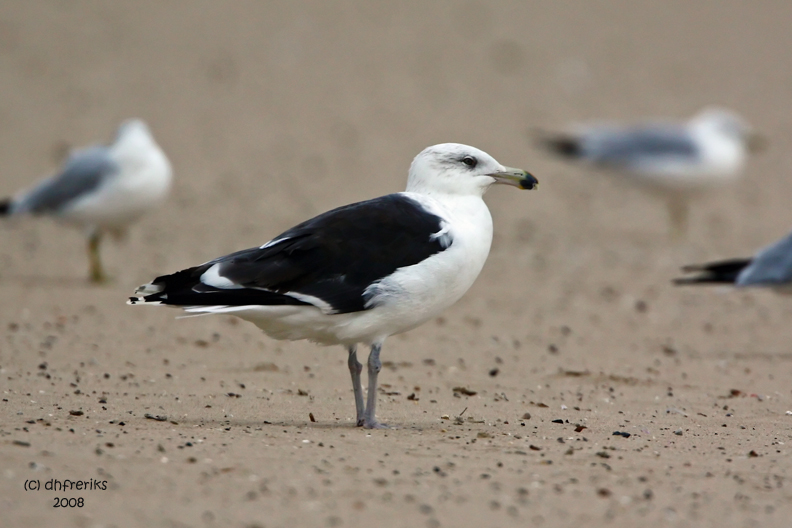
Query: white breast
column 414, row 294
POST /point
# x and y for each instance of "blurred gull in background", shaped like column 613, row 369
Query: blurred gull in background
column 101, row 188
column 771, row 267
column 674, row 160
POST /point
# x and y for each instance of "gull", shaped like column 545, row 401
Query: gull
column 677, row 161
column 101, row 189
column 771, row 267
column 362, row 272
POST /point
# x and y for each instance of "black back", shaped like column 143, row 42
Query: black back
column 335, row 257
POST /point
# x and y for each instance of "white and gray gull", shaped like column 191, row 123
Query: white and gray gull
column 101, row 188
column 770, row 267
column 677, row 161
column 361, row 272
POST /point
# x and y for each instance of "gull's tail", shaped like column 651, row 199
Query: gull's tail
column 5, row 206
column 563, row 145
column 185, row 289
column 720, row 272
column 144, row 291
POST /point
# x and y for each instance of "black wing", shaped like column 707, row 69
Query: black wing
column 721, row 272
column 334, row 257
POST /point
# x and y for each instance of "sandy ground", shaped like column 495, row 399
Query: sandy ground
column 275, row 111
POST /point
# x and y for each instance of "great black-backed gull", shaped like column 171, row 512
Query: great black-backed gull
column 678, row 161
column 101, row 188
column 771, row 267
column 361, row 272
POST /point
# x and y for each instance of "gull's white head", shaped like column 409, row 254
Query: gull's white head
column 719, row 122
column 134, row 141
column 723, row 122
column 132, row 128
column 137, row 152
column 455, row 169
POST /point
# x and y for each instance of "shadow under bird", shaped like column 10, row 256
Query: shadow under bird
column 677, row 161
column 101, row 189
column 362, row 272
column 771, row 267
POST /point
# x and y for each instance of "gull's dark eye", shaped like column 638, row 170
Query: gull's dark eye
column 470, row 161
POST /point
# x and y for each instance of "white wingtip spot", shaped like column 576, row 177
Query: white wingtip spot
column 212, row 277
